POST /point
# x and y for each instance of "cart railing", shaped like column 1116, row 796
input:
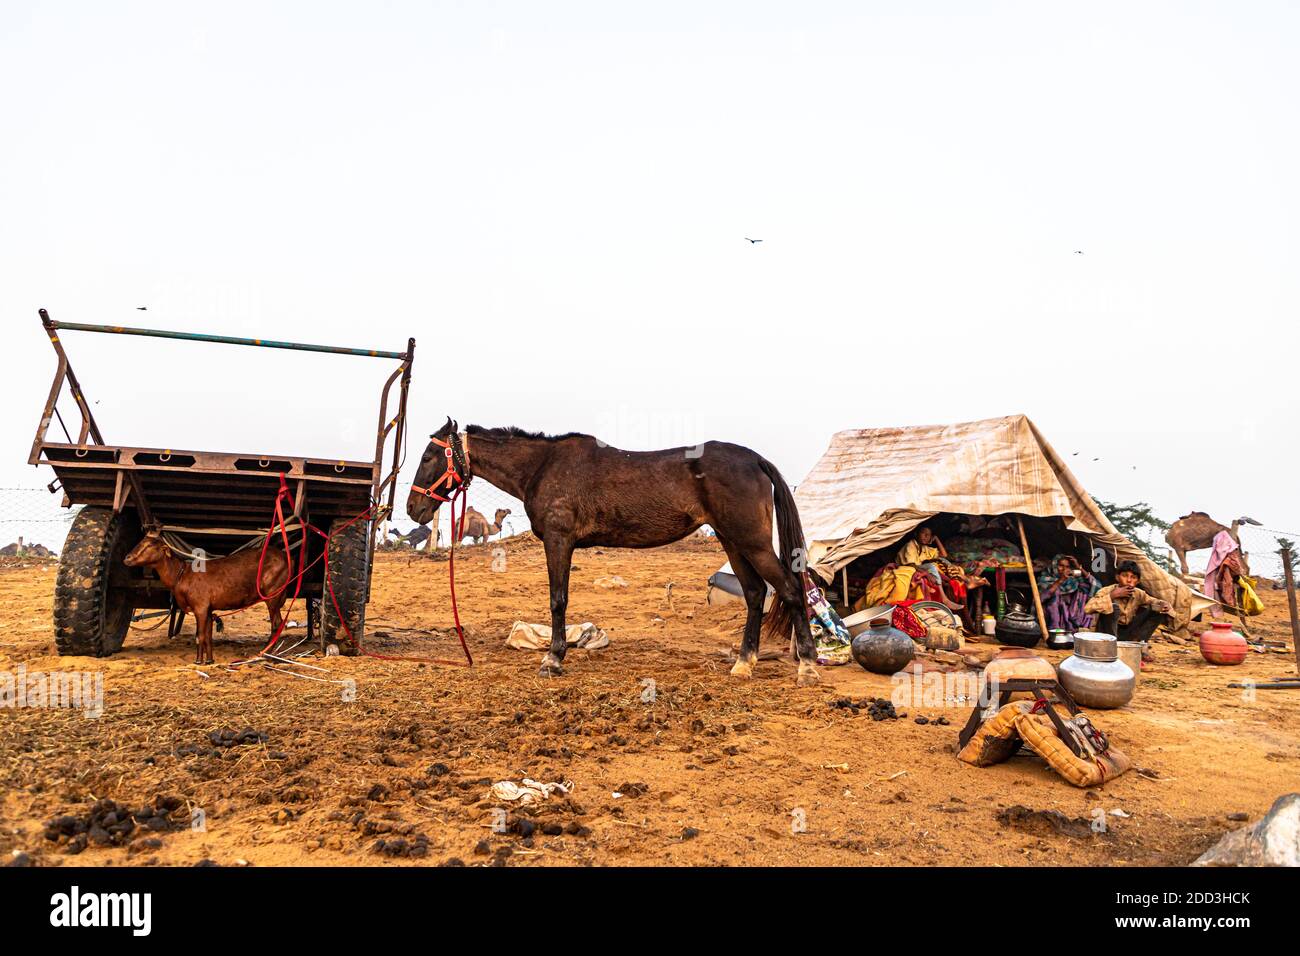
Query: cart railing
column 383, row 484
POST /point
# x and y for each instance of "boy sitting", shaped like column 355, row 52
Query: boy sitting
column 1125, row 610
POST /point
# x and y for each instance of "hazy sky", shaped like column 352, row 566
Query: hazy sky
column 553, row 199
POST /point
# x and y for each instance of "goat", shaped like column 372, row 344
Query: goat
column 216, row 584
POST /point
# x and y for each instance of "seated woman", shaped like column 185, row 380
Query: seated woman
column 924, row 566
column 1065, row 588
column 925, row 547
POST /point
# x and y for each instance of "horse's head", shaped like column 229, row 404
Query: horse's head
column 151, row 549
column 444, row 454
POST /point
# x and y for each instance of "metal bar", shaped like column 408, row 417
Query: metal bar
column 88, row 425
column 399, row 423
column 224, row 339
column 399, row 440
column 50, row 409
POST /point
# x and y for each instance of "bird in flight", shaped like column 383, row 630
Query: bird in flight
column 142, row 308
column 753, row 241
column 1078, row 252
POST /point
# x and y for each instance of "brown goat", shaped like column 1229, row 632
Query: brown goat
column 215, row 584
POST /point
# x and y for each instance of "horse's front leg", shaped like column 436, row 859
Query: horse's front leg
column 559, row 555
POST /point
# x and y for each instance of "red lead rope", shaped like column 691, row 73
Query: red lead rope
column 278, row 520
column 456, row 531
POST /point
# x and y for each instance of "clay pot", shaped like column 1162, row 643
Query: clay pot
column 883, row 648
column 1222, row 645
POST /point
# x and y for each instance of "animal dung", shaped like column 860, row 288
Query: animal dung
column 108, row 823
column 232, row 738
column 877, row 708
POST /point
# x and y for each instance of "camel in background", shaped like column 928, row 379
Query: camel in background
column 476, row 526
column 1195, row 531
column 420, row 534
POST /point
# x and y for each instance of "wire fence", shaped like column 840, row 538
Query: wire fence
column 1263, row 550
column 1261, row 546
column 32, row 519
column 504, row 515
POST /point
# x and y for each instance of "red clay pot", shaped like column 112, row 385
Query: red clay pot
column 1222, row 645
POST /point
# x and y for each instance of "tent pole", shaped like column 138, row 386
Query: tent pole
column 1033, row 580
column 844, row 586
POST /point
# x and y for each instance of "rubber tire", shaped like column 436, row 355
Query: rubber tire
column 349, row 574
column 91, row 615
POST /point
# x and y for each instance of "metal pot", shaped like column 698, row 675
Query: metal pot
column 1094, row 675
column 1019, row 628
column 1058, row 640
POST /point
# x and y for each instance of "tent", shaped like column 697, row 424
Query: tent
column 873, row 486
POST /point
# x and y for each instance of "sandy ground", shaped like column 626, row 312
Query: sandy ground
column 713, row 771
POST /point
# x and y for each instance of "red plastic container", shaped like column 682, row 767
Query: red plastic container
column 1222, row 645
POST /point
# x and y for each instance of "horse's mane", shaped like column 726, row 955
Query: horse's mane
column 512, row 431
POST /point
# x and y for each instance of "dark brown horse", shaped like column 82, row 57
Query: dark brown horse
column 581, row 493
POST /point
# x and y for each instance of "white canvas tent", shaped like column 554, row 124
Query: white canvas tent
column 873, row 486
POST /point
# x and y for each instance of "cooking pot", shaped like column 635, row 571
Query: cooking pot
column 1018, row 628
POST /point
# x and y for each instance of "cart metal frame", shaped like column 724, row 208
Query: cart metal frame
column 223, row 496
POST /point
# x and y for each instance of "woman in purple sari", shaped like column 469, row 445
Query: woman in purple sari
column 1065, row 588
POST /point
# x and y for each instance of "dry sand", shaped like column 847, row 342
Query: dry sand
column 714, row 771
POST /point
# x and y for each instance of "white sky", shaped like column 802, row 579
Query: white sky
column 553, row 199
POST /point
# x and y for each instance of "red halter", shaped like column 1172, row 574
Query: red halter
column 452, row 478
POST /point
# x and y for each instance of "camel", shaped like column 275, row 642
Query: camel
column 1195, row 531
column 421, row 534
column 476, row 526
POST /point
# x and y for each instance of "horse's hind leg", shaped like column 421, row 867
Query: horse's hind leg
column 559, row 555
column 755, row 589
column 790, row 593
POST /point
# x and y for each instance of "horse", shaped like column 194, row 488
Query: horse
column 579, row 492
column 223, row 584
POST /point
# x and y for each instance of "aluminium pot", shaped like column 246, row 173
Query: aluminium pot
column 1094, row 675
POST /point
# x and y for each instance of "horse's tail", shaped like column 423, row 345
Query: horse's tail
column 793, row 553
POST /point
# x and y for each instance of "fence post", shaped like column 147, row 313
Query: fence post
column 1290, row 600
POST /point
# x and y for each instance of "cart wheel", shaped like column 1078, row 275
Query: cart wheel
column 349, row 573
column 92, row 605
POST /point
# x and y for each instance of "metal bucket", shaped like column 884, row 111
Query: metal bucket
column 1130, row 652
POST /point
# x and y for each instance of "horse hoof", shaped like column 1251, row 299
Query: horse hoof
column 550, row 667
column 742, row 668
column 808, row 676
